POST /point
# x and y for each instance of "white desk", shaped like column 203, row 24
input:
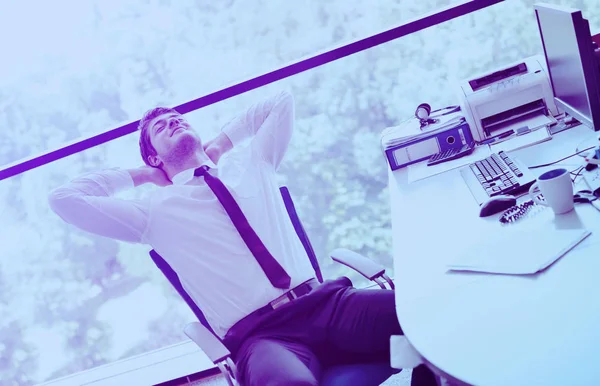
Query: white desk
column 492, row 329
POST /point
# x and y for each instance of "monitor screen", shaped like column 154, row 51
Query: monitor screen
column 571, row 63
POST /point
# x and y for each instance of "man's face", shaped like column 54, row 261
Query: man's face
column 173, row 138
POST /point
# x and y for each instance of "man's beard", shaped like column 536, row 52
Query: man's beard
column 183, row 150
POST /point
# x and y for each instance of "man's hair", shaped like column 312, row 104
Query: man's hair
column 146, row 148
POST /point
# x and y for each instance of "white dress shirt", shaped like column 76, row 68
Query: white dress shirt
column 188, row 227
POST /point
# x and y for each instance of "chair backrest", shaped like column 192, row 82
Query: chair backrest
column 174, row 279
column 291, row 209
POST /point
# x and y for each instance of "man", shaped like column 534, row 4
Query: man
column 234, row 270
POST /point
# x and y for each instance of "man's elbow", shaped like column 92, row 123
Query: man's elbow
column 54, row 200
column 60, row 202
column 286, row 98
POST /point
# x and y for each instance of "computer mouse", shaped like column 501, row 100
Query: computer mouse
column 496, row 204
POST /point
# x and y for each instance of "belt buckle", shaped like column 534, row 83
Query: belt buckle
column 288, row 296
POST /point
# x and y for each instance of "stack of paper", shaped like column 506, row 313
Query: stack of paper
column 522, row 141
column 511, row 251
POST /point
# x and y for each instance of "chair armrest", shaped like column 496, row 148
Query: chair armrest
column 207, row 342
column 214, row 349
column 361, row 264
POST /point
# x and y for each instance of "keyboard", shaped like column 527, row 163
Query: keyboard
column 495, row 175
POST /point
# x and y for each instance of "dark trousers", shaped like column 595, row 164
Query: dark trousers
column 332, row 325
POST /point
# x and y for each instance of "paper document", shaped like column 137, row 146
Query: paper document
column 533, row 121
column 516, row 252
column 410, row 130
column 420, row 170
column 522, row 141
column 592, row 178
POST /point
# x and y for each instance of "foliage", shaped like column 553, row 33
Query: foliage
column 85, row 67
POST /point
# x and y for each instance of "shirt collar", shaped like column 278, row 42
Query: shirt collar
column 185, row 176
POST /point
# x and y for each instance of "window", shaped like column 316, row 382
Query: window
column 89, row 66
column 66, row 296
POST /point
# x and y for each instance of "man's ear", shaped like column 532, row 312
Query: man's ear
column 154, row 160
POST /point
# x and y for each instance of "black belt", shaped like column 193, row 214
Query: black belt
column 287, row 297
column 240, row 330
column 247, row 323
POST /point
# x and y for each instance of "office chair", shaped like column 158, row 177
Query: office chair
column 367, row 374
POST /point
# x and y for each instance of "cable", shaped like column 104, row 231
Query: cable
column 579, row 144
column 576, row 170
column 578, row 152
column 562, row 159
column 577, row 174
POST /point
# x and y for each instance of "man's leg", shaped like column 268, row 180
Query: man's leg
column 360, row 329
column 271, row 362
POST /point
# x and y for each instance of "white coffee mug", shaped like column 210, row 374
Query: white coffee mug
column 557, row 188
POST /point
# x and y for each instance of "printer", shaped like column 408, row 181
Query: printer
column 492, row 101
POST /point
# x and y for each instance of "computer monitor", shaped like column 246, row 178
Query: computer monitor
column 572, row 63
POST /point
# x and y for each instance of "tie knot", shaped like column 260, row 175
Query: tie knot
column 201, row 171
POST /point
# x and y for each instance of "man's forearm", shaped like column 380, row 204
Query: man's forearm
column 270, row 125
column 89, row 203
column 139, row 176
column 218, row 146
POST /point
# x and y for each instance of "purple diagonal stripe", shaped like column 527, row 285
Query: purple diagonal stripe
column 449, row 13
